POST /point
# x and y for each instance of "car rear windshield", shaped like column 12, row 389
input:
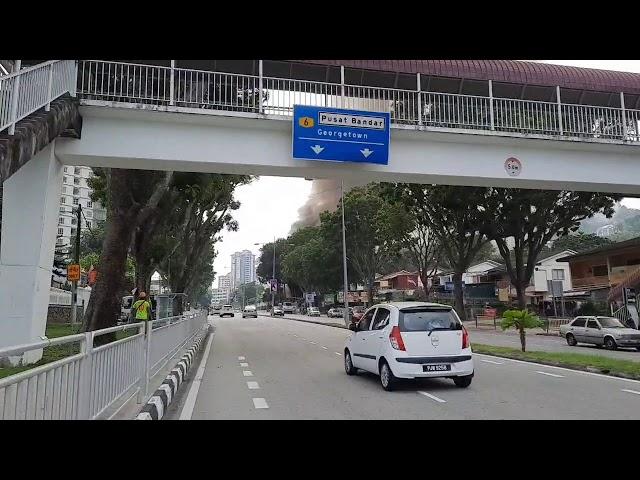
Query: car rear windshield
column 227, row 306
column 428, row 319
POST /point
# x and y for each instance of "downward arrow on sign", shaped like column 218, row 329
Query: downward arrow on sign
column 317, row 149
column 366, row 152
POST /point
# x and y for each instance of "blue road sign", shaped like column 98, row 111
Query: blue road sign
column 325, row 133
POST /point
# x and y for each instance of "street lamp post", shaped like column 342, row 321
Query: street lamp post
column 344, row 260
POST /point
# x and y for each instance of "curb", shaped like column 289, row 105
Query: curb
column 334, row 325
column 157, row 405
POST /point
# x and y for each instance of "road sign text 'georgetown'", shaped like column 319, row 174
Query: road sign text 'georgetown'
column 322, row 133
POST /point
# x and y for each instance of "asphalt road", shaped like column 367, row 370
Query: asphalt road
column 275, row 368
column 509, row 338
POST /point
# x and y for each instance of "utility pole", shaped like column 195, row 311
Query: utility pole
column 76, row 260
column 344, row 261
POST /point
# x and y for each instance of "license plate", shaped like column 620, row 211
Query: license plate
column 436, row 368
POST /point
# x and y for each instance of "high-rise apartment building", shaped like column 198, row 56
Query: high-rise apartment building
column 76, row 191
column 243, row 268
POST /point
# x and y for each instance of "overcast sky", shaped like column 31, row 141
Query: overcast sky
column 270, row 204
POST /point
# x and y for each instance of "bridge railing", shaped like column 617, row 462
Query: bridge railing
column 218, row 91
column 84, row 384
column 27, row 90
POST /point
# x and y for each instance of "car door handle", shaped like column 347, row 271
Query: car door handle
column 380, row 336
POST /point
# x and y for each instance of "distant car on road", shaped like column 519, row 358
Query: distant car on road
column 599, row 331
column 313, row 311
column 410, row 340
column 277, row 310
column 215, row 309
column 250, row 311
column 335, row 312
column 288, row 307
column 227, row 310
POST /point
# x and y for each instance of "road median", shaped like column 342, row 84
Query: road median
column 575, row 361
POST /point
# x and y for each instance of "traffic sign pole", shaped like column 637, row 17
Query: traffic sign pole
column 76, row 261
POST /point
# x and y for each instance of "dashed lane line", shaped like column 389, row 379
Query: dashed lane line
column 630, row 391
column 260, row 403
column 550, row 374
column 432, row 397
column 244, row 364
column 491, row 361
column 253, row 385
column 247, row 373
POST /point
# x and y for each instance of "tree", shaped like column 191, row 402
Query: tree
column 450, row 214
column 131, row 195
column 532, row 218
column 520, row 320
column 373, row 232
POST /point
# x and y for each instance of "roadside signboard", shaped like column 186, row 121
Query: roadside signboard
column 73, row 272
column 341, row 135
column 490, row 312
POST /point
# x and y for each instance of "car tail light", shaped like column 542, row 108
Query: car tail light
column 396, row 339
column 465, row 338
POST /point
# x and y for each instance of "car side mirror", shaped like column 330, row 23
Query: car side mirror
column 353, row 326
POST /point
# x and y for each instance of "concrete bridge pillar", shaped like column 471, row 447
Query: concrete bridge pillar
column 30, row 208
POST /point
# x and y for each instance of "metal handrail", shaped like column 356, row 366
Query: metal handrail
column 85, row 384
column 191, row 88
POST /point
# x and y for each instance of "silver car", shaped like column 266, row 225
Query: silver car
column 607, row 331
column 250, row 311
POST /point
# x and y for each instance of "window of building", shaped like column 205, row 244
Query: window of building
column 75, row 201
column 63, row 199
column 76, row 181
column 74, row 221
column 62, row 210
column 76, row 191
column 60, row 221
column 76, row 171
column 557, row 274
column 599, row 270
column 89, row 204
column 61, row 231
column 65, row 179
column 73, row 232
column 59, row 241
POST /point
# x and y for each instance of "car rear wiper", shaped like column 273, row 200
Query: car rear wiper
column 437, row 329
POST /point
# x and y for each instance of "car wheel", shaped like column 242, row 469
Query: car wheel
column 348, row 364
column 571, row 340
column 462, row 382
column 387, row 378
column 610, row 344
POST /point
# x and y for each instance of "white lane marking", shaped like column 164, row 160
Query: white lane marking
column 241, row 358
column 550, row 374
column 260, row 403
column 190, row 403
column 491, row 361
column 253, row 385
column 338, row 353
column 247, row 373
column 630, row 391
column 325, row 347
column 244, row 364
column 433, row 397
column 313, row 343
column 295, row 335
column 601, row 375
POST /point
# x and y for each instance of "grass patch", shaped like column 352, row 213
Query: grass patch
column 57, row 352
column 576, row 361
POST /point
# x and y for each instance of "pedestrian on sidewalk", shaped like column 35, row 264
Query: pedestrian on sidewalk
column 141, row 309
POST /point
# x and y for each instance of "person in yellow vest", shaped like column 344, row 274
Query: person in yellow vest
column 142, row 308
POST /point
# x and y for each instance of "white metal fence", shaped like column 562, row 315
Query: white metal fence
column 27, row 90
column 92, row 378
column 214, row 91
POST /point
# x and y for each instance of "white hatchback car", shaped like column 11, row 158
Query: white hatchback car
column 410, row 340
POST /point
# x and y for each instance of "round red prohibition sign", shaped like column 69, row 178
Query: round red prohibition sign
column 513, row 166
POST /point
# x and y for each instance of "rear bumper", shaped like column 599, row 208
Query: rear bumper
column 411, row 367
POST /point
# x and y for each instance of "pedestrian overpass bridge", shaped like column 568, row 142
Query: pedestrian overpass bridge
column 452, row 122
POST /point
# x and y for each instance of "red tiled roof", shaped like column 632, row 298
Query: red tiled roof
column 509, row 71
